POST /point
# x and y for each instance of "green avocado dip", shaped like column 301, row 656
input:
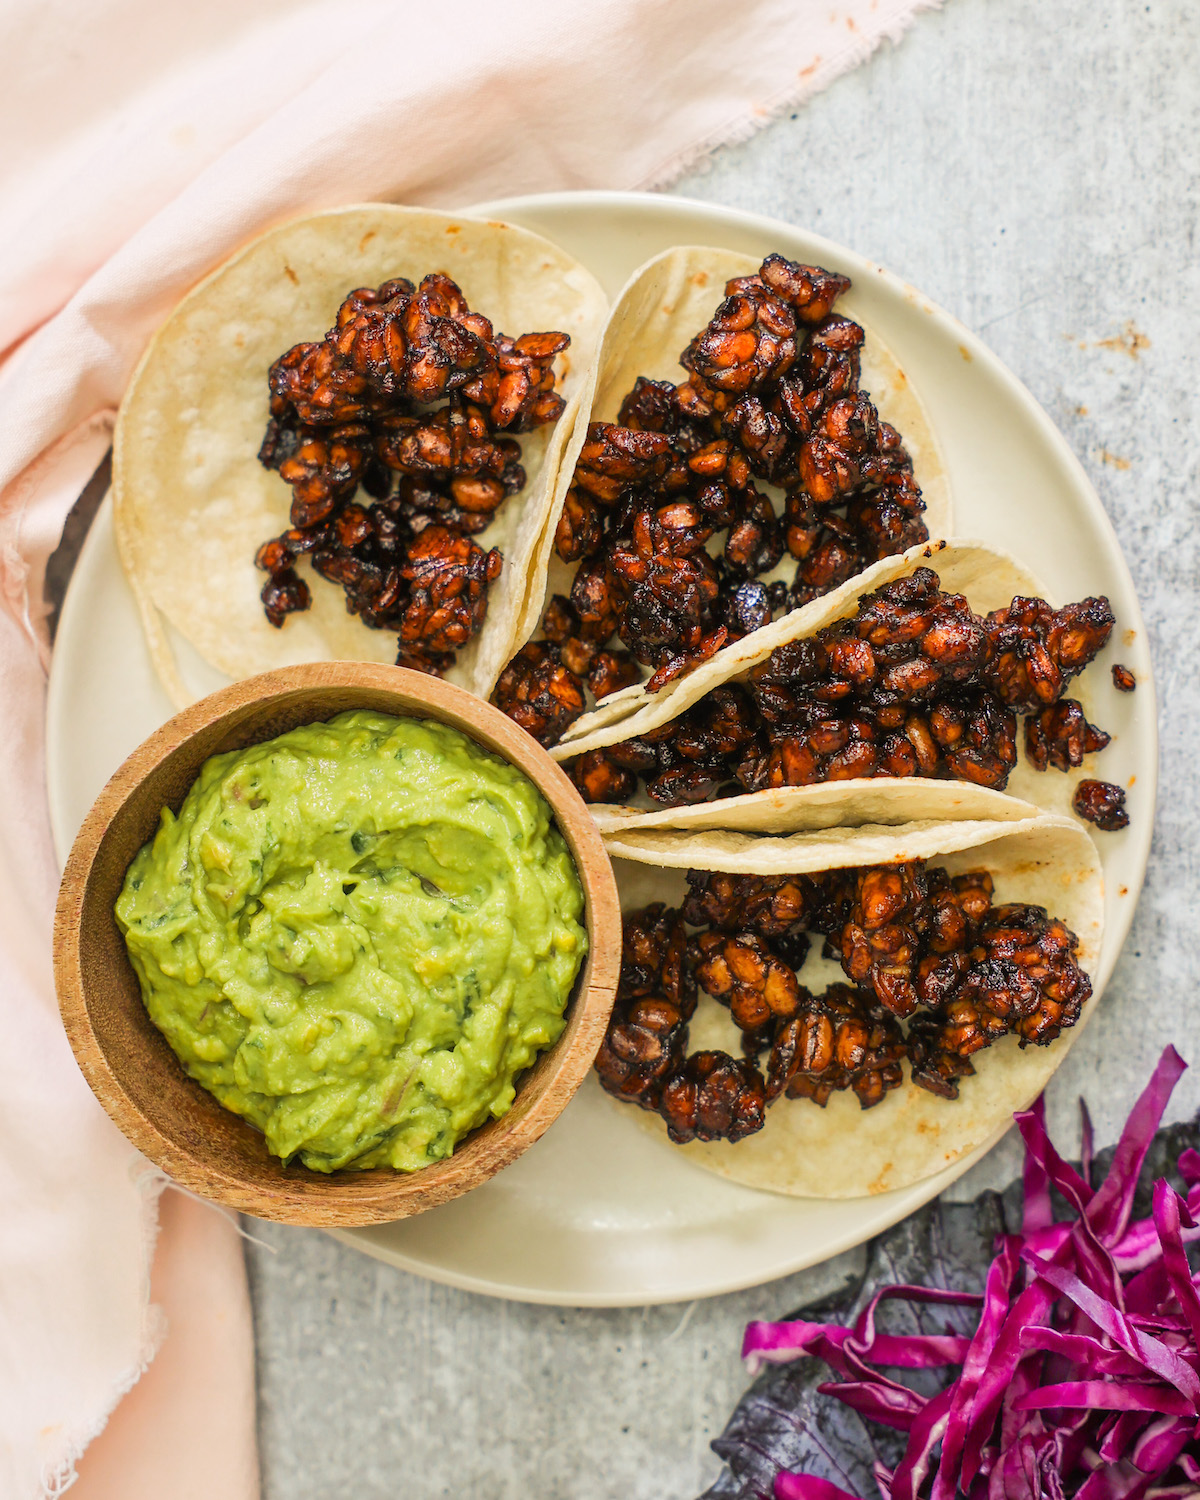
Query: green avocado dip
column 357, row 935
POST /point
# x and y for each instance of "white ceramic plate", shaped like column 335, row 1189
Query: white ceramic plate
column 598, row 1213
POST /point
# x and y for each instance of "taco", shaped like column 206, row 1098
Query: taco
column 443, row 384
column 916, row 671
column 959, row 963
column 748, row 447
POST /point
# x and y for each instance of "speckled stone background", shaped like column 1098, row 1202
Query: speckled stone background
column 1034, row 167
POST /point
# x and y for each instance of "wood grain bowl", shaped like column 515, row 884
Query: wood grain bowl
column 129, row 1065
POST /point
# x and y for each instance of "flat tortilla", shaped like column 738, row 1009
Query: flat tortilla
column 987, row 576
column 844, row 1151
column 662, row 307
column 192, row 504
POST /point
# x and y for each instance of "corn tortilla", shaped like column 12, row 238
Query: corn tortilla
column 192, row 504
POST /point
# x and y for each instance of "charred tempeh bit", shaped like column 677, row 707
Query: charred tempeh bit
column 448, row 578
column 653, row 956
column 647, row 1035
column 539, row 693
column 1023, row 978
column 1060, row 736
column 1102, row 803
column 713, row 1097
column 769, row 905
column 1038, row 650
column 740, row 971
column 643, row 1047
column 839, row 1040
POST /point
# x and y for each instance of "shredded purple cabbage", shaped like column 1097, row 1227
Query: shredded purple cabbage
column 1074, row 1374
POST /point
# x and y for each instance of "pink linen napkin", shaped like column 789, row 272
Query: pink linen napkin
column 145, row 143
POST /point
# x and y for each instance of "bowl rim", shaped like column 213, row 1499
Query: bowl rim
column 380, row 1194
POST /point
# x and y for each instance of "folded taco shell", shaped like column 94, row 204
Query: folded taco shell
column 192, row 504
column 986, row 575
column 663, row 306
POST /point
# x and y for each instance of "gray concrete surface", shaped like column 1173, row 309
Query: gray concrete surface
column 1033, row 166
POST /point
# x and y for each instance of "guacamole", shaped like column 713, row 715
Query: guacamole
column 356, row 936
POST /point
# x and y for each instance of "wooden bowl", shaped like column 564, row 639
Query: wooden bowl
column 133, row 1071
